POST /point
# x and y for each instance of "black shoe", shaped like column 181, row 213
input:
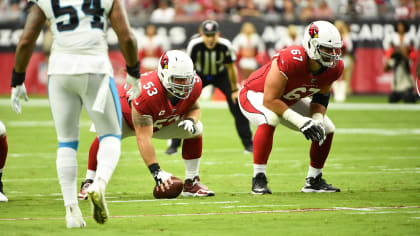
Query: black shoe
column 249, row 149
column 318, row 185
column 259, row 184
column 171, row 151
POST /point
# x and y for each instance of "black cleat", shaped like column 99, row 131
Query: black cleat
column 171, row 151
column 249, row 149
column 259, row 185
column 318, row 185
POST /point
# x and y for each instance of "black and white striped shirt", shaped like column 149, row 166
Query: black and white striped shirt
column 210, row 62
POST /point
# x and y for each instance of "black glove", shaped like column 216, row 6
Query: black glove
column 313, row 130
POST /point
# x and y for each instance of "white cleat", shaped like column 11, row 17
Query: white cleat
column 74, row 217
column 96, row 193
column 3, row 197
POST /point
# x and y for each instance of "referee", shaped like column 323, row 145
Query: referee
column 214, row 60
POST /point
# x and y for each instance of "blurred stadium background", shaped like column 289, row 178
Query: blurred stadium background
column 367, row 27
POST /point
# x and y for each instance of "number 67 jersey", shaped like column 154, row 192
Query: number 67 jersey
column 79, row 30
column 293, row 63
column 154, row 102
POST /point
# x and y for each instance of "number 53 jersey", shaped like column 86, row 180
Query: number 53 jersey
column 293, row 63
column 154, row 102
column 79, row 30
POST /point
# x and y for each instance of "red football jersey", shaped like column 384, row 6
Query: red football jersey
column 293, row 62
column 154, row 102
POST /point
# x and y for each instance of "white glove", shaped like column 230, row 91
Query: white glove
column 17, row 92
column 188, row 125
column 161, row 177
column 135, row 89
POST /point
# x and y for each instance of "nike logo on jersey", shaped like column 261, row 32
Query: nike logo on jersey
column 162, row 112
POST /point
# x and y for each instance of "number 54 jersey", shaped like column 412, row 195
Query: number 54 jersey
column 79, row 30
column 154, row 102
column 293, row 63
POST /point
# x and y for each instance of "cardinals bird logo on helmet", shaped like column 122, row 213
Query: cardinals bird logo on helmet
column 313, row 31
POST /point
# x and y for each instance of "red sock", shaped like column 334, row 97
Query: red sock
column 3, row 151
column 93, row 152
column 263, row 143
column 192, row 148
column 319, row 154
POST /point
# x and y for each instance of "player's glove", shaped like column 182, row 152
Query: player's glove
column 188, row 125
column 133, row 75
column 313, row 130
column 17, row 92
column 159, row 175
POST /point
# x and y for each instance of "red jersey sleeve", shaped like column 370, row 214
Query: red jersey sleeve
column 292, row 61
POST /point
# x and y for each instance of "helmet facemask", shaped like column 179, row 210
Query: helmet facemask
column 328, row 56
column 180, row 86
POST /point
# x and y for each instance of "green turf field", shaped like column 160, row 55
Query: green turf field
column 375, row 160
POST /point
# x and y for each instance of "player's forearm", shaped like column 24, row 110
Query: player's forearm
column 33, row 26
column 147, row 151
column 126, row 39
column 128, row 47
column 194, row 112
column 275, row 105
column 233, row 75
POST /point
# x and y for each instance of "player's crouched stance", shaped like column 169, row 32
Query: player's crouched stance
column 278, row 92
column 166, row 108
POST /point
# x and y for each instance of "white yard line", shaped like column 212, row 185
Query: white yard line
column 43, row 102
column 231, row 213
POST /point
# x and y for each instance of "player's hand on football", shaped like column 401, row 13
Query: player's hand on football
column 17, row 92
column 135, row 89
column 162, row 179
column 188, row 125
column 313, row 130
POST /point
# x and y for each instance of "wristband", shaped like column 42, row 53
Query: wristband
column 134, row 70
column 17, row 78
column 154, row 167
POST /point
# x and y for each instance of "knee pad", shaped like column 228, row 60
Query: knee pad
column 328, row 125
column 199, row 128
column 2, row 129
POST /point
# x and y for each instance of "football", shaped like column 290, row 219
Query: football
column 174, row 189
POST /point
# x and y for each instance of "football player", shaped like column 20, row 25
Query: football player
column 80, row 75
column 3, row 156
column 278, row 93
column 166, row 108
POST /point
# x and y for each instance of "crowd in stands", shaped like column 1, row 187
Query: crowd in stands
column 165, row 11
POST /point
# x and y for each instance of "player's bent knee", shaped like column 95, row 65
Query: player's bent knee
column 2, row 129
column 199, row 128
column 329, row 125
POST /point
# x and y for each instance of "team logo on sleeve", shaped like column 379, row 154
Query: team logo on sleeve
column 313, row 31
column 164, row 62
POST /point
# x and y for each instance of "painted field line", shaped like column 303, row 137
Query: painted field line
column 43, row 102
column 230, row 213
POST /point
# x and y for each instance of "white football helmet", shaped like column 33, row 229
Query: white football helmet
column 176, row 72
column 322, row 42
